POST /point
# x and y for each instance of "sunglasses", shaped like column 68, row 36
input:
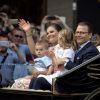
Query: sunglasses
column 18, row 36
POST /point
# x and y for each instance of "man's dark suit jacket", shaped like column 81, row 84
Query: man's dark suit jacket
column 87, row 52
column 78, row 81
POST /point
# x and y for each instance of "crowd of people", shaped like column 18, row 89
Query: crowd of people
column 30, row 59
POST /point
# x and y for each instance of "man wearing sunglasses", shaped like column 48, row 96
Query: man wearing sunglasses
column 18, row 37
column 9, row 56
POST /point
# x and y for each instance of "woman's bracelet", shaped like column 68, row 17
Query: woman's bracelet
column 28, row 35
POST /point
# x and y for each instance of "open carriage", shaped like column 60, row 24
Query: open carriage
column 87, row 75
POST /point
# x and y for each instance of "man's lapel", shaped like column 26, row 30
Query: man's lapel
column 81, row 51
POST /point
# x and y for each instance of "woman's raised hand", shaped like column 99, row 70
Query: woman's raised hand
column 25, row 25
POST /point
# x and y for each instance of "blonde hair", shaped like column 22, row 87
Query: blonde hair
column 67, row 38
column 44, row 43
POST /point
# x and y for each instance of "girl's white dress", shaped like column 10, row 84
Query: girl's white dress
column 61, row 53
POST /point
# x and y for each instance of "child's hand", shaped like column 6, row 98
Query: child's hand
column 55, row 69
column 60, row 61
column 50, row 54
column 35, row 73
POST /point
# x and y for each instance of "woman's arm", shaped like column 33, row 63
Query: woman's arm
column 26, row 26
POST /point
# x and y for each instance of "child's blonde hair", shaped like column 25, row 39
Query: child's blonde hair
column 44, row 43
column 67, row 38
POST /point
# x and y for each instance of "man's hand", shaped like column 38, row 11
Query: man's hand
column 13, row 46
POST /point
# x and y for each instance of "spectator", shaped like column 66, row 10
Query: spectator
column 9, row 56
column 17, row 37
column 19, row 40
